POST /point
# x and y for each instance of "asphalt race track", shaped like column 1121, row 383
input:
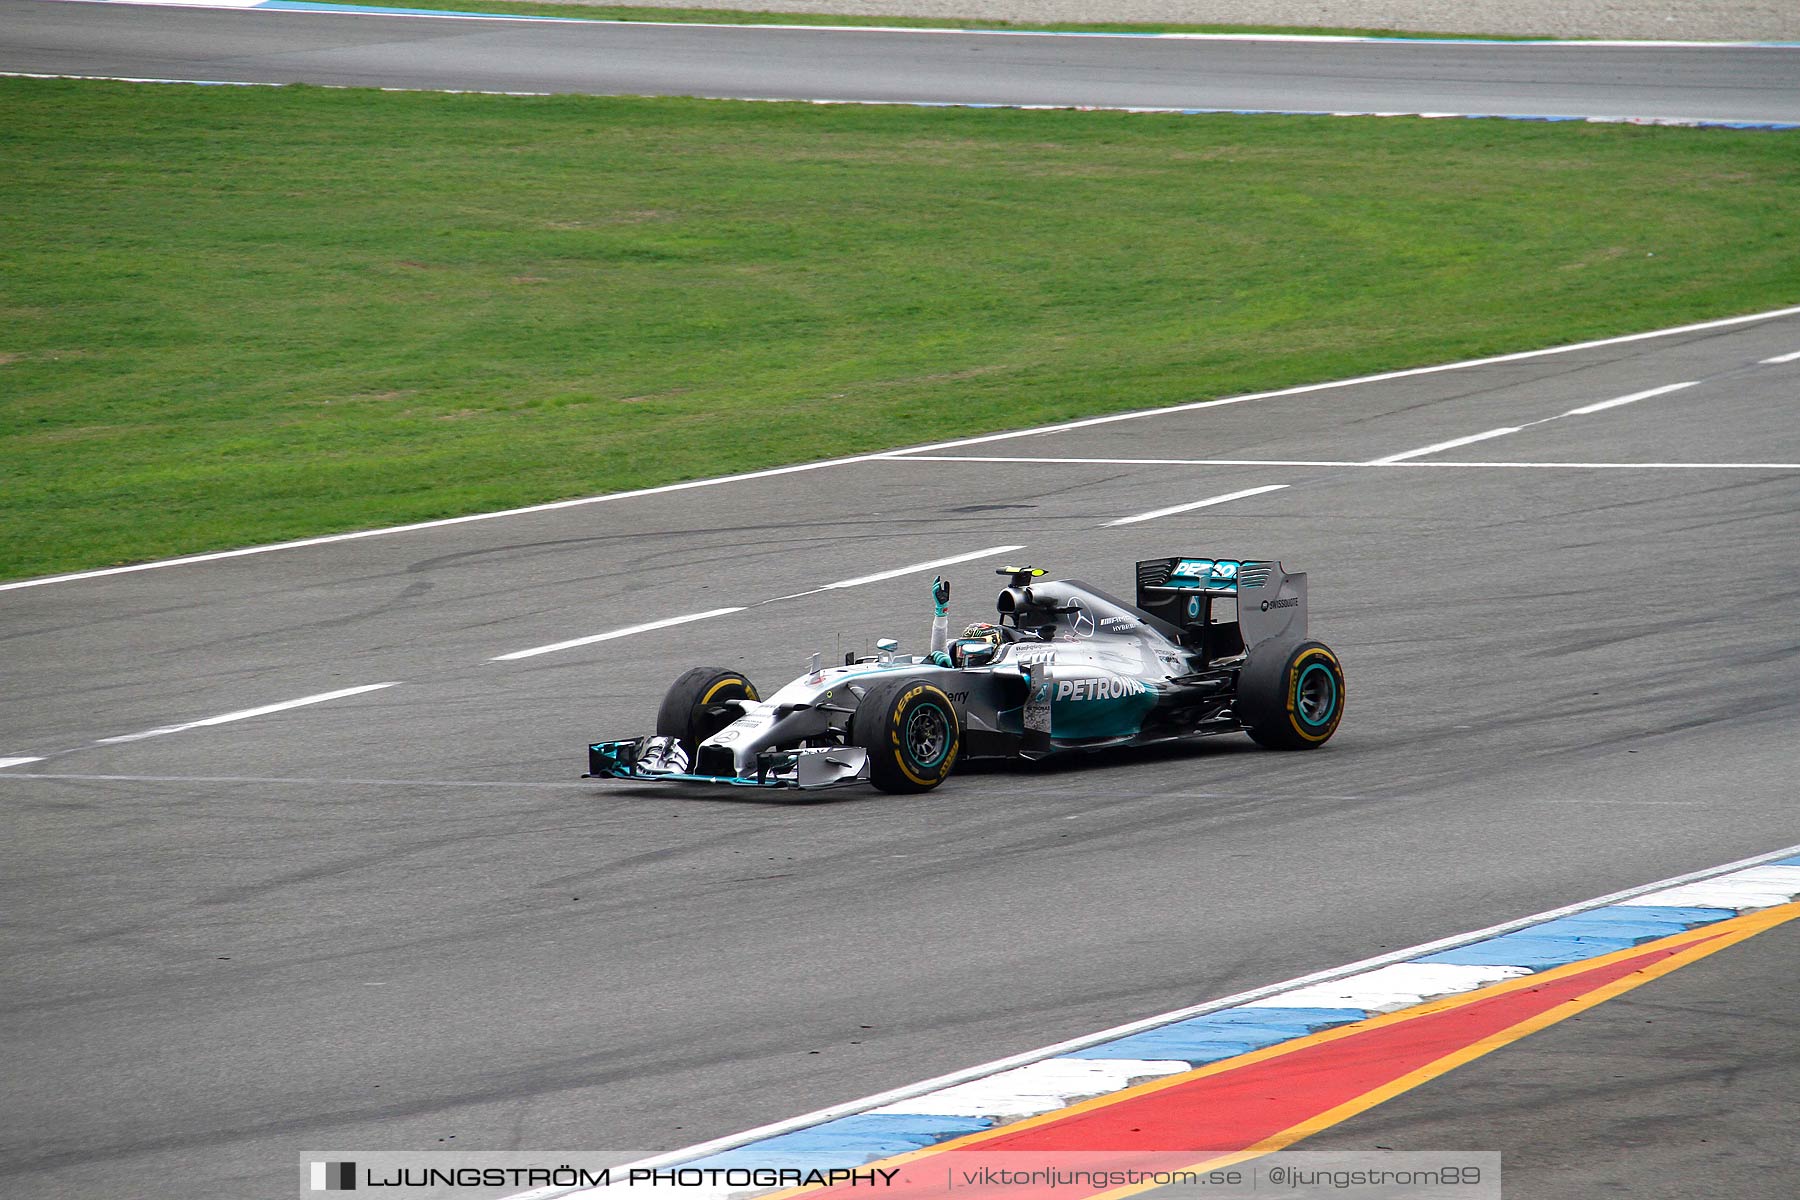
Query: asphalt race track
column 398, row 918
column 1722, row 83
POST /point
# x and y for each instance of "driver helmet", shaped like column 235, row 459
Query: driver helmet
column 978, row 646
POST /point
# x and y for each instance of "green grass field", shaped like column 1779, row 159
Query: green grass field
column 236, row 315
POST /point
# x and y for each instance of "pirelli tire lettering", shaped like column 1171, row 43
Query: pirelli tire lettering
column 1292, row 697
column 912, row 731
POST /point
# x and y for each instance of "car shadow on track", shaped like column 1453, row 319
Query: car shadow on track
column 1077, row 765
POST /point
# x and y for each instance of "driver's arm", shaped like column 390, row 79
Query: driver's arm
column 940, row 621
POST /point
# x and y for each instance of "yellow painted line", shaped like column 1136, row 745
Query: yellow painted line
column 1724, row 933
column 1700, row 942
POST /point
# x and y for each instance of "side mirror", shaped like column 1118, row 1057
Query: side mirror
column 887, row 646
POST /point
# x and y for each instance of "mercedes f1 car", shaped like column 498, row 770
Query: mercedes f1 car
column 1213, row 645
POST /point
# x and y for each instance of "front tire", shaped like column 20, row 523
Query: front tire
column 912, row 733
column 693, row 710
column 1292, row 699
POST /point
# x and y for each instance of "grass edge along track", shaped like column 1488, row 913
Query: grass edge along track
column 234, row 316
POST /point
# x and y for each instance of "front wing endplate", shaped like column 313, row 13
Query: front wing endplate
column 810, row 768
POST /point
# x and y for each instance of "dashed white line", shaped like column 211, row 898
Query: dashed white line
column 915, row 567
column 1585, row 409
column 1389, row 460
column 1147, row 462
column 610, row 634
column 648, row 626
column 1206, row 503
column 244, row 714
column 20, row 760
column 1452, row 444
column 1783, row 358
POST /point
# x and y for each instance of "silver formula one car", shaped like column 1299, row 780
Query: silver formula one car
column 1213, row 645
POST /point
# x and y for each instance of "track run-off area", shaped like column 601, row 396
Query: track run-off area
column 298, row 854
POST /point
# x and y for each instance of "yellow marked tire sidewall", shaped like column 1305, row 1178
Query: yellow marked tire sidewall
column 721, row 685
column 1295, row 670
column 896, row 734
column 701, row 723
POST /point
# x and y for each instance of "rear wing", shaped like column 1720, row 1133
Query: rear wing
column 1195, row 593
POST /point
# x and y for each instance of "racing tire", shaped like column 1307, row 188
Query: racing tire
column 1291, row 698
column 692, row 712
column 912, row 733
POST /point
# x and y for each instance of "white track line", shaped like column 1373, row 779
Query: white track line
column 251, row 83
column 1326, row 462
column 1089, row 422
column 1603, row 405
column 1783, row 358
column 1206, row 503
column 438, row 524
column 1128, row 462
column 1145, row 109
column 244, row 714
column 1584, row 410
column 608, row 636
column 1328, row 38
column 923, row 566
column 1174, row 111
column 720, row 612
column 1452, row 444
column 1617, row 44
column 1595, row 466
column 20, row 760
column 907, row 1092
column 572, row 784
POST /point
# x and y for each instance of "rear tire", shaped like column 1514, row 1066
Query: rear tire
column 692, row 710
column 912, row 733
column 1292, row 698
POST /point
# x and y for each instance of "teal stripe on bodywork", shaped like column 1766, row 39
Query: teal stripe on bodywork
column 1119, row 717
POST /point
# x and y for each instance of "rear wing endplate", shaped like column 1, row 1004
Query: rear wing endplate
column 1195, row 591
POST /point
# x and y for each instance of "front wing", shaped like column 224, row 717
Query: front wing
column 646, row 760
